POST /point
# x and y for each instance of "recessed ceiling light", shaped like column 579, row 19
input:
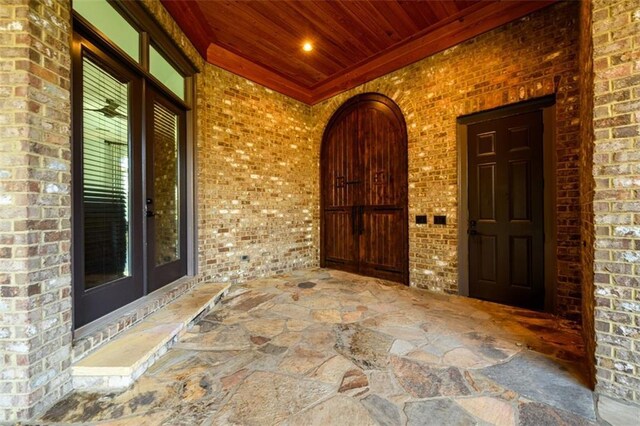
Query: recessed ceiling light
column 307, row 47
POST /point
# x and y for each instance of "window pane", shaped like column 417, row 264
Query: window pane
column 165, row 72
column 166, row 181
column 105, row 179
column 105, row 18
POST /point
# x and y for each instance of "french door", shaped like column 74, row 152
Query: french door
column 129, row 179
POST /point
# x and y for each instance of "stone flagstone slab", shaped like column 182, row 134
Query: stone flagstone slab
column 438, row 412
column 536, row 414
column 338, row 410
column 386, row 413
column 617, row 413
column 544, row 380
column 425, row 381
column 492, row 410
column 122, row 356
column 333, row 370
column 269, row 398
column 354, row 382
column 366, row 348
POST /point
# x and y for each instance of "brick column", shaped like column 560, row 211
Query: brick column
column 585, row 58
column 35, row 283
column 616, row 205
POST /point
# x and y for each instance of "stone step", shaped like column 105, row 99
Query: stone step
column 117, row 364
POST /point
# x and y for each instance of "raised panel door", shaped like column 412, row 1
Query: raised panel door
column 506, row 216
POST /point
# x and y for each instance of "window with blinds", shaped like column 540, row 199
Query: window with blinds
column 105, row 180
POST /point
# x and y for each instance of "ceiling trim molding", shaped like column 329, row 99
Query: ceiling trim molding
column 250, row 70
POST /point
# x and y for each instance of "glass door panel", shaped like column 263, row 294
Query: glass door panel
column 106, row 177
column 166, row 184
column 166, row 207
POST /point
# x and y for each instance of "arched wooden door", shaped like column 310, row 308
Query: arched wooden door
column 364, row 222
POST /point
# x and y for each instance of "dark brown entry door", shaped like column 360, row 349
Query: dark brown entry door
column 506, row 216
column 364, row 185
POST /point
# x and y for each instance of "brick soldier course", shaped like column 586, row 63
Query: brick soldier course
column 257, row 176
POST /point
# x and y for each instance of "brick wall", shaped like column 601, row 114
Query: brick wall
column 532, row 57
column 257, row 182
column 35, row 304
column 616, row 205
column 586, row 183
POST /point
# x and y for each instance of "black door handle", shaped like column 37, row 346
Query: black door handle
column 472, row 232
column 147, row 210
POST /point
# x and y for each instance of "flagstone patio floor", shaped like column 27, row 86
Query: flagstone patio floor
column 323, row 347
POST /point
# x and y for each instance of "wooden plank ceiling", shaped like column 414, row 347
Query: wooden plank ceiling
column 353, row 41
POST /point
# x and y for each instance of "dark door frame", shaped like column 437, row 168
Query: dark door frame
column 547, row 106
column 345, row 107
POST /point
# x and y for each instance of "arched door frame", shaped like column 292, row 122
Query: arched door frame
column 335, row 117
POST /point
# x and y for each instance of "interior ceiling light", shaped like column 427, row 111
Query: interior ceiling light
column 307, row 46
